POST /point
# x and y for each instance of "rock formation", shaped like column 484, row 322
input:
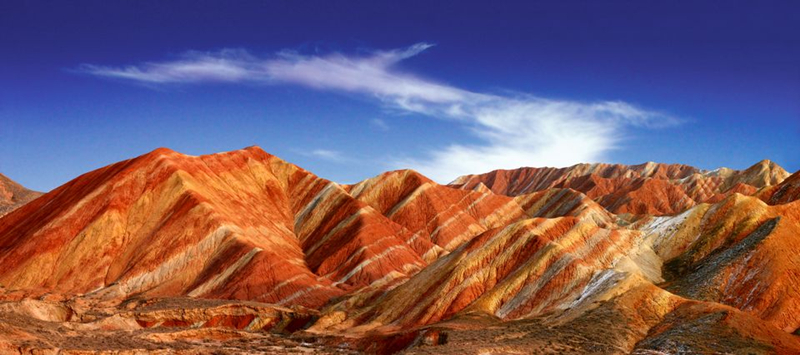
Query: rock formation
column 240, row 225
column 645, row 189
column 244, row 252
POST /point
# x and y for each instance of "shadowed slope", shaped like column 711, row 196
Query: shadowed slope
column 740, row 252
column 785, row 192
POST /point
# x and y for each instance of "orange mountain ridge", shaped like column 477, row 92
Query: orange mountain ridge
column 645, row 189
column 244, row 252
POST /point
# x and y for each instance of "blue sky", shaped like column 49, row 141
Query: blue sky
column 351, row 89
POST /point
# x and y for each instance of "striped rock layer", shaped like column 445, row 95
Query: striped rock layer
column 14, row 195
column 445, row 216
column 730, row 268
column 393, row 261
column 785, row 192
column 645, row 189
column 238, row 225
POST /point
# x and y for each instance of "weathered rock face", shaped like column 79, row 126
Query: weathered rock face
column 785, row 192
column 524, row 269
column 444, row 216
column 238, row 248
column 14, row 195
column 555, row 202
column 645, row 189
column 239, row 225
column 739, row 252
column 742, row 253
column 729, row 268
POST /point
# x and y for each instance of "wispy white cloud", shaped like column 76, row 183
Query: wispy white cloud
column 513, row 130
column 326, row 154
column 228, row 65
column 379, row 124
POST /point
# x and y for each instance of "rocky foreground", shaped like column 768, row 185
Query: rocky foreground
column 242, row 252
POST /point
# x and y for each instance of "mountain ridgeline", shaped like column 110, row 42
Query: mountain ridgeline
column 149, row 252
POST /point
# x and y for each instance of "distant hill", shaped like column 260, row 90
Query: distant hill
column 13, row 195
column 644, row 189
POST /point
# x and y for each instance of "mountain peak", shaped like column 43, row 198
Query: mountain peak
column 162, row 151
column 764, row 173
column 166, row 223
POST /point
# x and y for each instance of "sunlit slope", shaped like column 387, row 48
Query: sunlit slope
column 242, row 224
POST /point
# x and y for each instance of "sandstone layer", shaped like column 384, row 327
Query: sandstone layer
column 244, row 252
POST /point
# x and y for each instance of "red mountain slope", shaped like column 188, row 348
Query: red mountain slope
column 564, row 202
column 398, row 262
column 242, row 225
column 655, row 189
column 733, row 262
column 443, row 215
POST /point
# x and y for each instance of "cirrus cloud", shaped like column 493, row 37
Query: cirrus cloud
column 513, row 130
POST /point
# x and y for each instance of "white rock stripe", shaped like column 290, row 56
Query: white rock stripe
column 409, row 198
column 176, row 263
column 301, row 217
column 367, row 262
column 457, row 215
column 356, row 254
column 297, row 294
column 281, row 285
column 223, row 276
column 342, row 224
